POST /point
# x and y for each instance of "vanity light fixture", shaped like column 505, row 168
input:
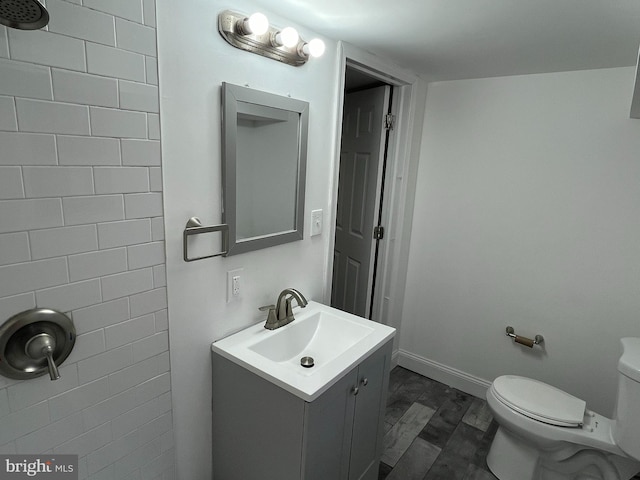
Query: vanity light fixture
column 257, row 24
column 254, row 34
column 287, row 37
column 315, row 48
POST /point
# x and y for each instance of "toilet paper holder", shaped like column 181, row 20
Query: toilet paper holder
column 527, row 342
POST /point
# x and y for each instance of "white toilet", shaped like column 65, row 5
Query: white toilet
column 547, row 434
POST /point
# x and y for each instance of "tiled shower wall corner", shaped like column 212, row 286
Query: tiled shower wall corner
column 81, row 231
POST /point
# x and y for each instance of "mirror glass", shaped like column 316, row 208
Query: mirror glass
column 264, row 167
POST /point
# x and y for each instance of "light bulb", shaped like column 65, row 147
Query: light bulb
column 316, row 47
column 288, row 37
column 256, row 24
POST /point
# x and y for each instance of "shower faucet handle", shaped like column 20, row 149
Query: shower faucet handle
column 42, row 346
column 54, row 374
column 35, row 342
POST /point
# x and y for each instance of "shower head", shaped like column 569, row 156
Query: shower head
column 23, row 14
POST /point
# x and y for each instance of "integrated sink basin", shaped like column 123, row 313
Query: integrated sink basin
column 321, row 335
column 335, row 340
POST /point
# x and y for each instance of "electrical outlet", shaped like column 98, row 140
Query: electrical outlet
column 234, row 285
column 235, row 282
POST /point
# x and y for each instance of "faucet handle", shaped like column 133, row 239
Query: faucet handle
column 272, row 319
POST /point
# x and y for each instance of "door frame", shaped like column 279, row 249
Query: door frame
column 409, row 97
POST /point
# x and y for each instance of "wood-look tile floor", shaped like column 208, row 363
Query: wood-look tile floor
column 434, row 432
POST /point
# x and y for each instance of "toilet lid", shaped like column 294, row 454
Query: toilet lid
column 539, row 401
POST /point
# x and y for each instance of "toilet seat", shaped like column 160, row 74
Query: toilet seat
column 539, row 401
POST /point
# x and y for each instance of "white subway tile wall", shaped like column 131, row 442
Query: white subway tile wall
column 8, row 119
column 4, row 44
column 82, row 231
column 11, row 183
column 26, row 148
column 25, row 79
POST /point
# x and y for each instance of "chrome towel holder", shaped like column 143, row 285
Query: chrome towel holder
column 527, row 342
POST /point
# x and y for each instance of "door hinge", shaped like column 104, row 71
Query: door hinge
column 378, row 232
column 389, row 121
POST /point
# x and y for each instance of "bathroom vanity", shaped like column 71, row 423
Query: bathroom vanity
column 264, row 427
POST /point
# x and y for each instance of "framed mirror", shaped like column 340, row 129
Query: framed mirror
column 264, row 150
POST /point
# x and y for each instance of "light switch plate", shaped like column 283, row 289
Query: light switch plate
column 316, row 222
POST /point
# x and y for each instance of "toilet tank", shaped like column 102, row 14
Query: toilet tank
column 627, row 429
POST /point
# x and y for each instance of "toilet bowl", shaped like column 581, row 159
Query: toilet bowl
column 547, row 434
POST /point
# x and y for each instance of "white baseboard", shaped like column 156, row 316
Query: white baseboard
column 453, row 377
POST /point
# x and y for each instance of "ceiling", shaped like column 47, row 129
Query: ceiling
column 456, row 39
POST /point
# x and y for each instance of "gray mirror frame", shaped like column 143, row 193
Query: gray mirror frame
column 231, row 95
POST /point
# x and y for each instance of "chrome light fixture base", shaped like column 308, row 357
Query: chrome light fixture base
column 228, row 26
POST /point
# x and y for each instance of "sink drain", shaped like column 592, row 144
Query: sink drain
column 307, row 362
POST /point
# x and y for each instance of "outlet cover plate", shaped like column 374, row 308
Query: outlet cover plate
column 231, row 274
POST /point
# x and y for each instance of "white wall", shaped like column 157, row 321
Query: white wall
column 527, row 215
column 193, row 61
column 81, row 230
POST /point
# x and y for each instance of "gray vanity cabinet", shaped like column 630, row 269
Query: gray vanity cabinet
column 261, row 431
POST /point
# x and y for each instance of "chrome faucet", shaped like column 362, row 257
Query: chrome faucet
column 281, row 313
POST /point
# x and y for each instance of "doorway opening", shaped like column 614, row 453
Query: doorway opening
column 367, row 124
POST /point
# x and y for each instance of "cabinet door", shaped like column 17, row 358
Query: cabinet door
column 327, row 431
column 257, row 426
column 366, row 442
